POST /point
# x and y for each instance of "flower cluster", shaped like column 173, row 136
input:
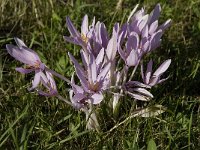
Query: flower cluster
column 101, row 55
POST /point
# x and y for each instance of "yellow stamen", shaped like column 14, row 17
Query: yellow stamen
column 84, row 38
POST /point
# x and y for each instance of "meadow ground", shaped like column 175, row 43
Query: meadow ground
column 29, row 121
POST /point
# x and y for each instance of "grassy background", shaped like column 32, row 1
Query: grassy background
column 29, row 121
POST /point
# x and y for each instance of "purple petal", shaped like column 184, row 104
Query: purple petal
column 143, row 22
column 19, row 42
column 82, row 79
column 76, row 64
column 153, row 27
column 139, row 14
column 51, row 80
column 154, row 80
column 144, row 45
column 23, row 55
column 143, row 91
column 139, row 97
column 155, row 40
column 97, row 98
column 121, row 53
column 133, row 42
column 148, row 72
column 93, row 23
column 155, row 14
column 71, row 28
column 162, row 80
column 36, row 81
column 104, row 72
column 24, row 71
column 145, row 31
column 32, row 51
column 123, row 33
column 142, row 72
column 84, row 58
column 78, row 97
column 92, row 70
column 112, row 47
column 165, row 25
column 76, row 88
column 103, row 35
column 84, row 26
column 73, row 40
column 132, row 58
column 162, row 68
column 100, row 56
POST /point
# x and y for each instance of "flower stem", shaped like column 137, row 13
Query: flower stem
column 91, row 118
column 135, row 68
column 63, row 99
column 58, row 75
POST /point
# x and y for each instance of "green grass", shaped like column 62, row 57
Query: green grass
column 29, row 121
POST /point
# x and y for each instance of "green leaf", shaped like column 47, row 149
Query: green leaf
column 151, row 145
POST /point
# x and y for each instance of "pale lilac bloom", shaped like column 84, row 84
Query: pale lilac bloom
column 112, row 46
column 33, row 63
column 152, row 79
column 99, row 38
column 25, row 55
column 92, row 38
column 77, row 95
column 93, row 78
column 130, row 54
column 77, row 37
column 48, row 81
column 146, row 26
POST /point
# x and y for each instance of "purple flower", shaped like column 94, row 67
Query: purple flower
column 146, row 26
column 131, row 55
column 152, row 79
column 78, row 96
column 77, row 37
column 25, row 55
column 92, row 38
column 33, row 63
column 93, row 78
column 48, row 81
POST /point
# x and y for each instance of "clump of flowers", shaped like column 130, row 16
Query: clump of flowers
column 101, row 55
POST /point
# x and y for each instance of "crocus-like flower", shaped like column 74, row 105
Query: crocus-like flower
column 48, row 81
column 146, row 26
column 25, row 55
column 152, row 79
column 33, row 63
column 92, row 38
column 93, row 78
column 77, row 37
column 131, row 54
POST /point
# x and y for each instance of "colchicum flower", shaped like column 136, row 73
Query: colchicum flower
column 153, row 79
column 102, row 70
column 143, row 35
column 33, row 63
column 130, row 55
column 146, row 26
column 92, row 38
column 93, row 79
